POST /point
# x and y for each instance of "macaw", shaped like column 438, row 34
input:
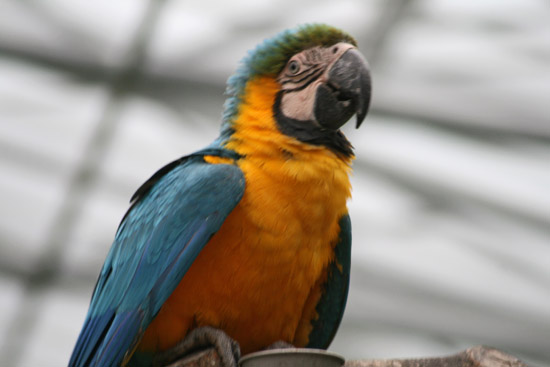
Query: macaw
column 250, row 235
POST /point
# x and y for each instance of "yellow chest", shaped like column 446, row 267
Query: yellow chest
column 271, row 250
column 294, row 205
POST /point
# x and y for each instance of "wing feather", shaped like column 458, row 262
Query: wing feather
column 174, row 216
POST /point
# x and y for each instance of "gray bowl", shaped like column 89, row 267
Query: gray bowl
column 290, row 357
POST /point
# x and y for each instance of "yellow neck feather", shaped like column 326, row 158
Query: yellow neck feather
column 257, row 135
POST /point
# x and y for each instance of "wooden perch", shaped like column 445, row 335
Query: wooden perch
column 478, row 356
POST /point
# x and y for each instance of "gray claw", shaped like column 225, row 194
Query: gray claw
column 200, row 338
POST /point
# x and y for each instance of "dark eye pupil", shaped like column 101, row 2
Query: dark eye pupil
column 293, row 67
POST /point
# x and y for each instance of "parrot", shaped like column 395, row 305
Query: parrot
column 246, row 242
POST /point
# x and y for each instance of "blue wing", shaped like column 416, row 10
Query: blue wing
column 332, row 304
column 175, row 213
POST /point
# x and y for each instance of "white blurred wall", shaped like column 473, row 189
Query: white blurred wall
column 451, row 205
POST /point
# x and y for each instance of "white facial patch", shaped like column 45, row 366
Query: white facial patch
column 302, row 75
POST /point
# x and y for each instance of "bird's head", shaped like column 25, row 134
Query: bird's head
column 314, row 80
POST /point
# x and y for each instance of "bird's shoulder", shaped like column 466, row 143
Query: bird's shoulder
column 185, row 181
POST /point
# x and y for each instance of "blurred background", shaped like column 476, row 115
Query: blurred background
column 451, row 205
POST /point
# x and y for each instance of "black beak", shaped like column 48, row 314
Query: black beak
column 347, row 92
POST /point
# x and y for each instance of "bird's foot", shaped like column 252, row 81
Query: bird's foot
column 201, row 338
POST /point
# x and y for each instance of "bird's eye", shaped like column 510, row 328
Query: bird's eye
column 293, row 67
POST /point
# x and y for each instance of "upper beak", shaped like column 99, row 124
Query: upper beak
column 347, row 91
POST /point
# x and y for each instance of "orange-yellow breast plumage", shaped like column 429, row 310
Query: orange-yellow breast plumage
column 258, row 277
